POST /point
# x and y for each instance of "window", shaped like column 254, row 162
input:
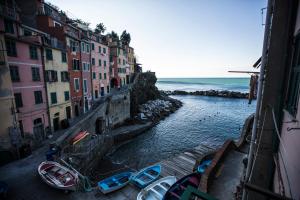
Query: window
column 87, row 48
column 85, row 86
column 64, row 76
column 294, row 83
column 49, row 55
column 88, row 66
column 93, row 61
column 104, row 63
column 73, row 45
column 84, row 66
column 100, row 63
column 9, row 26
column 124, row 62
column 63, row 57
column 82, row 47
column 67, row 95
column 14, row 73
column 105, row 76
column 76, row 84
column 51, row 76
column 11, row 47
column 100, row 75
column 94, row 75
column 35, row 71
column 18, row 100
column 93, row 46
column 75, row 64
column 107, row 89
column 33, row 52
column 104, row 50
column 119, row 61
column 99, row 49
column 38, row 97
column 53, row 97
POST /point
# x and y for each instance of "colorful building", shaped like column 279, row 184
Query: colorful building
column 8, row 118
column 118, row 58
column 100, row 67
column 131, row 61
column 23, row 48
column 85, row 56
column 57, row 82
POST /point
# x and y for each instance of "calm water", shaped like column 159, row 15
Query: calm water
column 194, row 84
column 201, row 120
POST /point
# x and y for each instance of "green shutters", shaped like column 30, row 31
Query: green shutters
column 100, row 63
column 100, row 75
column 294, row 83
column 9, row 26
column 38, row 97
column 63, row 57
column 11, row 49
column 105, row 76
column 53, row 97
column 18, row 100
column 99, row 49
column 93, row 61
column 67, row 95
column 14, row 73
column 35, row 72
column 49, row 55
column 33, row 52
column 104, row 63
column 94, row 75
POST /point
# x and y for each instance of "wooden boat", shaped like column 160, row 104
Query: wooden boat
column 157, row 189
column 202, row 167
column 58, row 176
column 177, row 189
column 115, row 182
column 80, row 136
column 146, row 176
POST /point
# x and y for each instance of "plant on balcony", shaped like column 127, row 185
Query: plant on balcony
column 100, row 28
column 125, row 38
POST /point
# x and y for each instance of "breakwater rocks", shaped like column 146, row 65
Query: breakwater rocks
column 212, row 93
column 156, row 109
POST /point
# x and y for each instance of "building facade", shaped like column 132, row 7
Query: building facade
column 57, row 83
column 100, row 67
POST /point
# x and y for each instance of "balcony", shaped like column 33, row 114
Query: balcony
column 36, row 39
column 47, row 10
column 8, row 12
column 71, row 32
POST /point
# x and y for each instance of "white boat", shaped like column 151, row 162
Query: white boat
column 58, row 176
column 157, row 190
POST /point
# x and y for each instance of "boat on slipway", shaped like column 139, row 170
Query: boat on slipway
column 146, row 176
column 115, row 182
column 157, row 189
column 58, row 176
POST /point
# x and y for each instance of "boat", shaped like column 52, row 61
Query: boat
column 202, row 167
column 157, row 189
column 80, row 136
column 58, row 176
column 146, row 176
column 115, row 182
column 178, row 188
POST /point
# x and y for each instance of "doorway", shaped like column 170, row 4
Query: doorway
column 68, row 112
column 76, row 110
column 55, row 123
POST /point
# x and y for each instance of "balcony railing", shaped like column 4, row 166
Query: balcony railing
column 32, row 39
column 49, row 11
column 71, row 32
column 8, row 12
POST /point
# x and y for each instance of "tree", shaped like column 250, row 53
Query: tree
column 114, row 36
column 100, row 28
column 125, row 38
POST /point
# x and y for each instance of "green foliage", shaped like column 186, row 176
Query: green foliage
column 125, row 38
column 100, row 28
column 114, row 36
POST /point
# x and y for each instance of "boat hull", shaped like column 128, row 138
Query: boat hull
column 114, row 183
column 157, row 189
column 146, row 176
column 58, row 176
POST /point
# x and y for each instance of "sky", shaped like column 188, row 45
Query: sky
column 182, row 38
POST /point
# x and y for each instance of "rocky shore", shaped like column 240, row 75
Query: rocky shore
column 211, row 93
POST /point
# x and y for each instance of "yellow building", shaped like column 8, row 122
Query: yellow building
column 130, row 59
column 57, row 82
column 10, row 138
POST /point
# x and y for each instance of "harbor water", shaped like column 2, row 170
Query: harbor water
column 201, row 120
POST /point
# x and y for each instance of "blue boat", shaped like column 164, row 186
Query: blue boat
column 202, row 167
column 146, row 176
column 115, row 182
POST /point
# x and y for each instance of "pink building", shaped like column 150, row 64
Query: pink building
column 100, row 67
column 26, row 69
column 85, row 55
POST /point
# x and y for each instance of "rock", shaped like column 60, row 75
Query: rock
column 213, row 93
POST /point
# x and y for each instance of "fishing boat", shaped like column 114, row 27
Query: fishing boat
column 58, row 176
column 202, row 167
column 177, row 189
column 146, row 176
column 157, row 189
column 115, row 182
column 80, row 136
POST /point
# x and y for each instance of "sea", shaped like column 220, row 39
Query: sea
column 201, row 120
